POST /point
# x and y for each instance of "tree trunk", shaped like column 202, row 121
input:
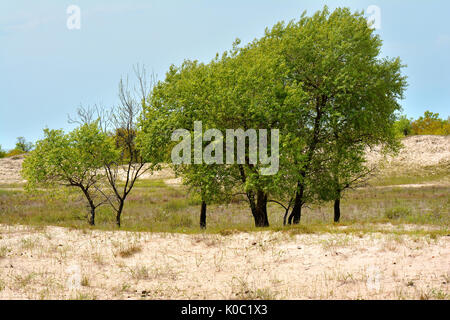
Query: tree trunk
column 203, row 215
column 337, row 209
column 119, row 213
column 260, row 210
column 296, row 212
column 92, row 216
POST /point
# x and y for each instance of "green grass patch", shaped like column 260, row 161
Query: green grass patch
column 156, row 207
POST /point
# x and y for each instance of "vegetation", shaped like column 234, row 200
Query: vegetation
column 22, row 146
column 319, row 81
column 73, row 160
column 428, row 124
column 156, row 207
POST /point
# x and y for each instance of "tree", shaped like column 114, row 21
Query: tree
column 184, row 97
column 335, row 75
column 430, row 123
column 2, row 152
column 120, row 123
column 124, row 119
column 342, row 167
column 23, row 146
column 235, row 91
column 403, row 126
column 299, row 78
column 74, row 160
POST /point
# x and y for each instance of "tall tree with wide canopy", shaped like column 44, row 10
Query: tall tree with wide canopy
column 319, row 80
column 335, row 75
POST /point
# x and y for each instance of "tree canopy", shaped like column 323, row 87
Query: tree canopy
column 74, row 159
column 319, row 80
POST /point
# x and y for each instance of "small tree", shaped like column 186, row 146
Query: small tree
column 74, row 160
column 130, row 164
column 120, row 123
column 403, row 126
column 23, row 145
column 341, row 167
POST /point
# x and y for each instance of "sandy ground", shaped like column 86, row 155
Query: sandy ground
column 417, row 151
column 55, row 263
column 10, row 170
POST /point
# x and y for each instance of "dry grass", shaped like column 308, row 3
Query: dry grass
column 244, row 265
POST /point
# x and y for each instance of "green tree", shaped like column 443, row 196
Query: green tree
column 74, row 160
column 403, row 126
column 23, row 146
column 335, row 75
column 341, row 167
column 309, row 79
column 234, row 91
column 430, row 123
column 120, row 124
column 185, row 96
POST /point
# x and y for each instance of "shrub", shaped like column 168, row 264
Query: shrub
column 14, row 152
column 397, row 213
column 180, row 221
column 430, row 123
column 403, row 126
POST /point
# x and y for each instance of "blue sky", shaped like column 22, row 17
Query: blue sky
column 47, row 70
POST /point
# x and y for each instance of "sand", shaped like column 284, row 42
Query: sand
column 59, row 263
column 417, row 152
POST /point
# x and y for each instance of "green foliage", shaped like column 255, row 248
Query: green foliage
column 430, row 123
column 319, row 80
column 23, row 145
column 403, row 126
column 2, row 152
column 75, row 159
column 71, row 159
column 125, row 140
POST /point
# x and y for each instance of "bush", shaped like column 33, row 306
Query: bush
column 14, row 152
column 397, row 213
column 430, row 123
column 2, row 153
column 403, row 126
column 180, row 221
